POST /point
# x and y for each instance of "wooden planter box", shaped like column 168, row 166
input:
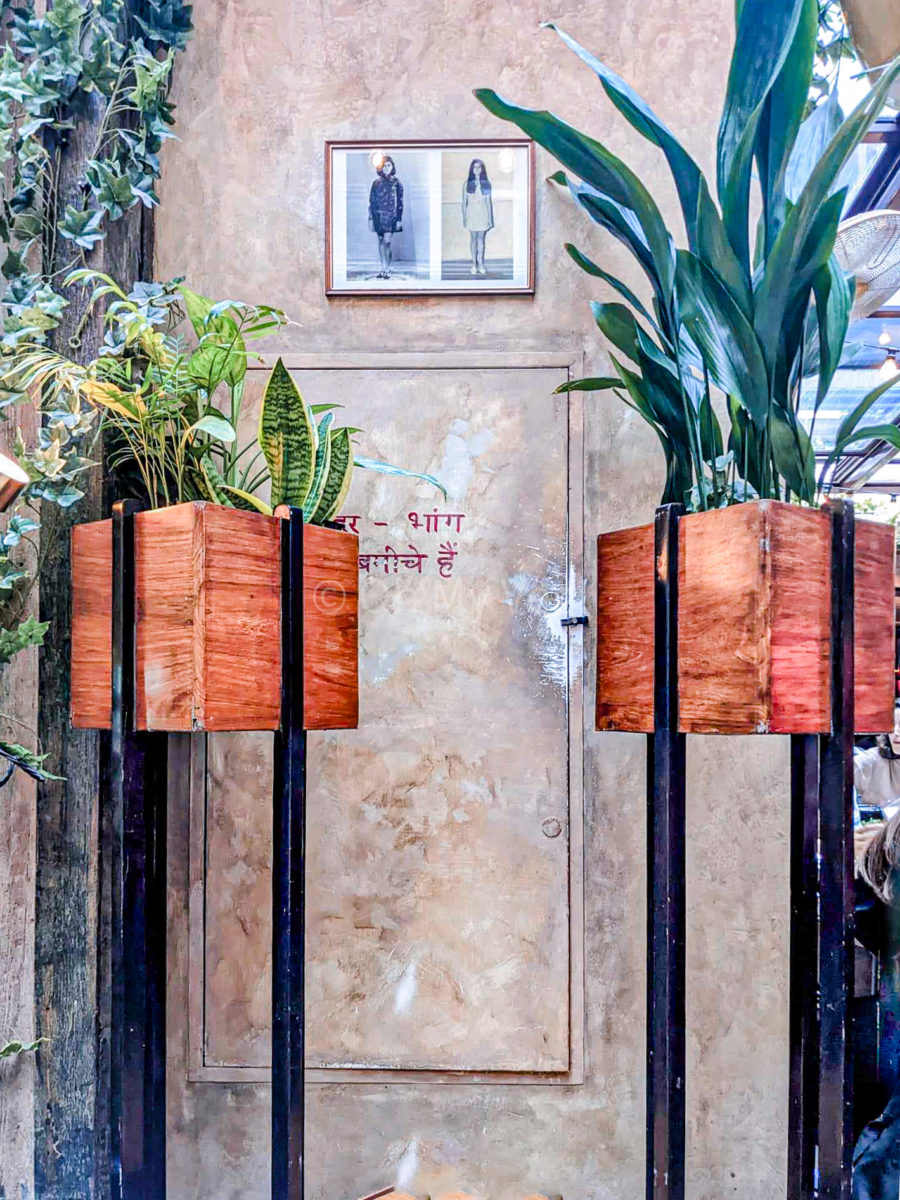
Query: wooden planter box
column 208, row 622
column 754, row 615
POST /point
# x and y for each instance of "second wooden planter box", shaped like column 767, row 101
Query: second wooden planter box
column 208, row 622
column 754, row 613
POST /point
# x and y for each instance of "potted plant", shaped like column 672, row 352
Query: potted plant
column 207, row 547
column 743, row 314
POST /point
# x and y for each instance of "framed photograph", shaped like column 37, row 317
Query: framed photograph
column 429, row 218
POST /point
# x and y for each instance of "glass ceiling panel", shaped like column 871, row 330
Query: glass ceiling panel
column 847, row 390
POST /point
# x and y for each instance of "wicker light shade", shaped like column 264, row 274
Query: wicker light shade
column 868, row 248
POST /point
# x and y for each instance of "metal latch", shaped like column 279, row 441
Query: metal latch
column 582, row 620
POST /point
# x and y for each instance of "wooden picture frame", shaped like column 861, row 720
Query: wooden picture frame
column 420, row 218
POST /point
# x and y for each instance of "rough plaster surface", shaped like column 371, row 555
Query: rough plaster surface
column 261, row 87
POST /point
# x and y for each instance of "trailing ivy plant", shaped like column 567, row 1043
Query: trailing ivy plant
column 171, row 405
column 117, row 57
column 747, row 307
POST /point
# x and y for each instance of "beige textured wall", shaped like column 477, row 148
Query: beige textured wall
column 263, row 84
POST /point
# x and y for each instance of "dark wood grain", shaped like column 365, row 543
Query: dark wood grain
column 625, row 630
column 208, row 609
column 753, row 626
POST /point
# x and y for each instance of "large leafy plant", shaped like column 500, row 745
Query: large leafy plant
column 749, row 308
column 171, row 405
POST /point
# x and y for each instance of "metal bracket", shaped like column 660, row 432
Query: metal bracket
column 567, row 621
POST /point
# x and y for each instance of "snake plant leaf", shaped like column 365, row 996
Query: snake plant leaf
column 248, row 500
column 793, row 453
column 371, row 464
column 287, row 437
column 599, row 383
column 323, row 462
column 782, row 117
column 724, row 335
column 765, row 35
column 338, row 478
column 214, row 481
column 591, row 268
column 634, row 108
column 835, row 294
column 595, row 165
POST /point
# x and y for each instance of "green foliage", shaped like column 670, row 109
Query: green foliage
column 750, row 323
column 13, row 1048
column 29, row 632
column 26, row 760
column 172, row 410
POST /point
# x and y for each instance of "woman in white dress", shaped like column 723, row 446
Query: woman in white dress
column 477, row 212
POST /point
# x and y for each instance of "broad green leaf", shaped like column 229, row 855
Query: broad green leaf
column 591, row 268
column 724, row 335
column 595, row 165
column 287, row 436
column 792, row 246
column 215, row 426
column 813, row 137
column 617, row 323
column 371, row 464
column 714, row 248
column 337, row 480
column 765, row 34
column 221, row 353
column 834, row 301
column 794, row 457
column 323, row 462
column 685, row 172
column 600, row 383
column 782, row 117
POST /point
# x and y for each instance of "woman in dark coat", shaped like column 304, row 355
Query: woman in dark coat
column 386, row 212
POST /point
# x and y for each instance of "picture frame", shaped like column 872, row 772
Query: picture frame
column 452, row 217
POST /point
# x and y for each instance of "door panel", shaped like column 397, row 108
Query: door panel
column 438, row 839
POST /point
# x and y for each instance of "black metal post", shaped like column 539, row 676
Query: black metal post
column 288, row 881
column 804, row 968
column 666, row 886
column 836, row 957
column 136, row 792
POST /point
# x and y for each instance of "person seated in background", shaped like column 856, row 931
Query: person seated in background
column 876, row 772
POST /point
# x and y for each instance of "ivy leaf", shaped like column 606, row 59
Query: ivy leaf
column 83, row 228
column 29, row 632
column 111, row 190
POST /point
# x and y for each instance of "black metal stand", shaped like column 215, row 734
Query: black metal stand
column 665, row 885
column 288, row 882
column 820, row 1129
column 136, row 791
column 136, row 794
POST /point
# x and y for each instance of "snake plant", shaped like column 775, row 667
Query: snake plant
column 748, row 308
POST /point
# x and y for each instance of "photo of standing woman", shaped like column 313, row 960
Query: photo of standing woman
column 386, row 212
column 477, row 212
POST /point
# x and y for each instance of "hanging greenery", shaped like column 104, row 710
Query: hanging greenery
column 112, row 59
